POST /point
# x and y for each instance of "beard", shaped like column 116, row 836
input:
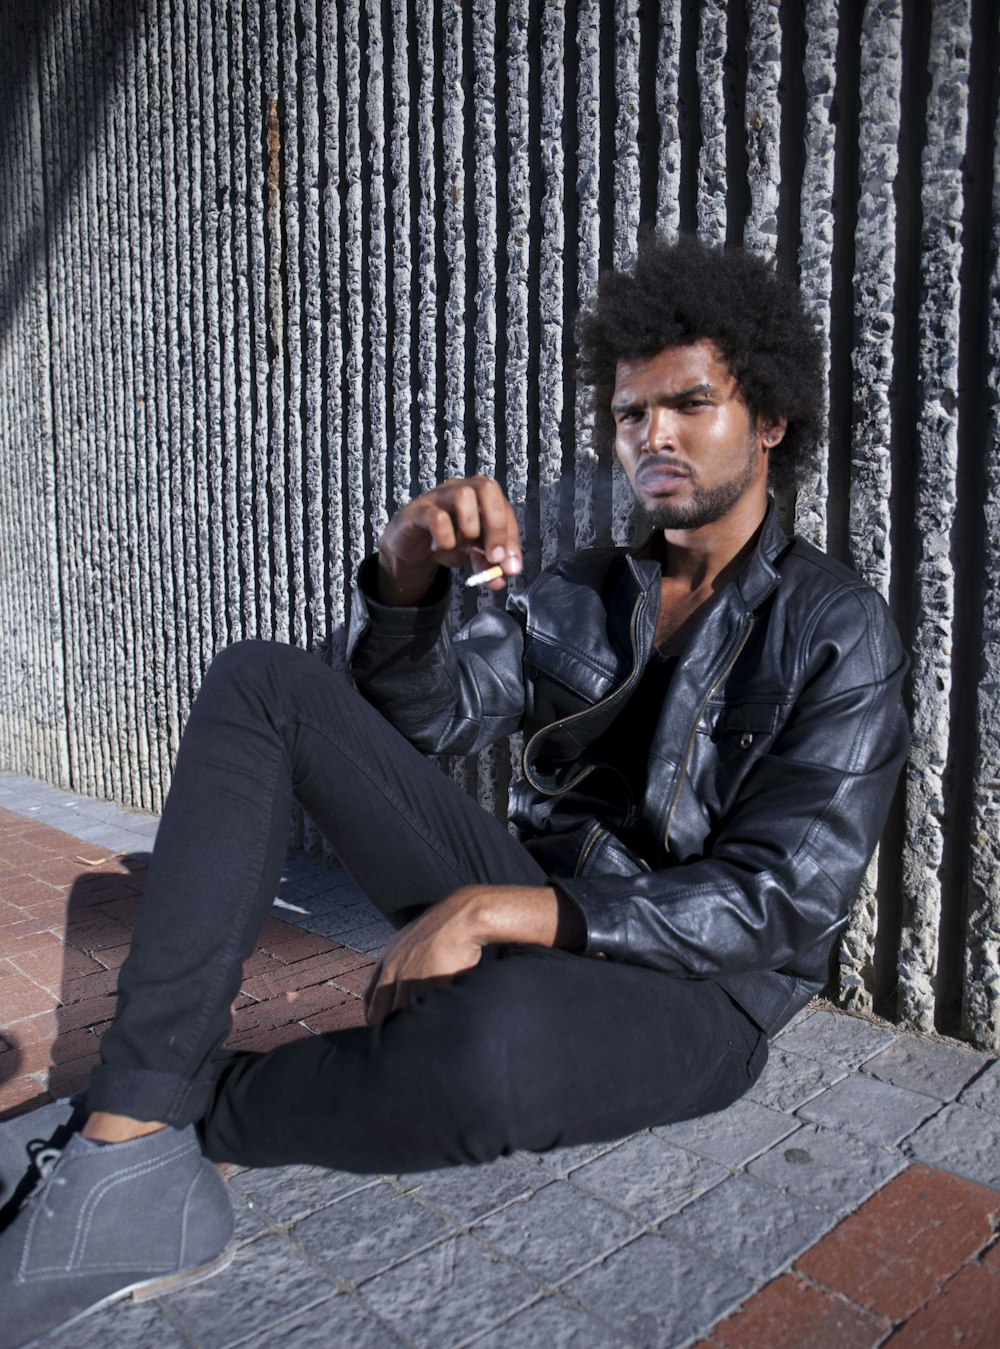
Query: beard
column 705, row 505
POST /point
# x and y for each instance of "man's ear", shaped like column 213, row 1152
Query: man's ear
column 771, row 431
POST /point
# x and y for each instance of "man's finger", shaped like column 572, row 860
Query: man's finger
column 500, row 535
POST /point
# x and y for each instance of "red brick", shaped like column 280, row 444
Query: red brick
column 260, row 1041
column 792, row 1314
column 26, row 892
column 93, row 928
column 54, row 967
column 906, row 1241
column 113, row 958
column 10, row 913
column 93, row 986
column 20, row 997
column 315, row 970
column 124, row 910
column 25, row 854
column 66, row 1079
column 95, row 1012
column 348, row 1016
column 298, row 945
column 20, row 1095
column 356, row 981
column 284, row 1010
column 991, row 1260
column 28, row 935
column 966, row 1313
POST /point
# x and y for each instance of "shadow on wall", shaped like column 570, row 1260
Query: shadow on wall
column 86, row 61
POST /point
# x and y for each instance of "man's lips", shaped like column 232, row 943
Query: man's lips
column 659, row 477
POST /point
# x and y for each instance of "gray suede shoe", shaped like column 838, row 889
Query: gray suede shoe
column 137, row 1218
column 26, row 1144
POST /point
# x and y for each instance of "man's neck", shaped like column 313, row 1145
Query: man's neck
column 702, row 560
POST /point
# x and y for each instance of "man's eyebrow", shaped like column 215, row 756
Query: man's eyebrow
column 628, row 404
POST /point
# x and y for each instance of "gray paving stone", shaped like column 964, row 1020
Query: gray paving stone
column 287, row 1193
column 563, row 1161
column 836, row 1037
column 649, row 1177
column 339, row 1323
column 962, row 1139
column 250, row 1222
column 733, row 1136
column 366, row 1232
column 555, row 1231
column 465, row 1193
column 869, row 1109
column 555, row 1323
column 833, row 1170
column 448, row 1293
column 938, row 1068
column 659, row 1294
column 789, row 1080
column 267, row 1278
column 126, row 1325
column 750, row 1226
column 984, row 1091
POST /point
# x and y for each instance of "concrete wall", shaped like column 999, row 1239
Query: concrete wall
column 269, row 268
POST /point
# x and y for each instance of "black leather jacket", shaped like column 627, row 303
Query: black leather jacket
column 770, row 771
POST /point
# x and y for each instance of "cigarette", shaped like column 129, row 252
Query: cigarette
column 481, row 578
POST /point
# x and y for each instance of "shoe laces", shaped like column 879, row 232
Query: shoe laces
column 45, row 1160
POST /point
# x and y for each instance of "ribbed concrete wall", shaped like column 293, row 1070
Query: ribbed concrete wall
column 269, row 268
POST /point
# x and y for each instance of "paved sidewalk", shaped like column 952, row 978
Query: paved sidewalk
column 851, row 1200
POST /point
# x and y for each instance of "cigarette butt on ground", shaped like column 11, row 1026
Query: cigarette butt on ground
column 481, row 578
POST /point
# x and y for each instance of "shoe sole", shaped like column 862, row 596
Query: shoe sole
column 144, row 1292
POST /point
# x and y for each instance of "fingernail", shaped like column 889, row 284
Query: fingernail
column 497, row 554
column 514, row 564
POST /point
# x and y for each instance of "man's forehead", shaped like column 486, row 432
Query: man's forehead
column 683, row 367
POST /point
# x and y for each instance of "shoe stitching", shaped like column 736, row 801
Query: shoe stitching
column 87, row 1212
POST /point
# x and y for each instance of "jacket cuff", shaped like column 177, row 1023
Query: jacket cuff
column 604, row 904
column 399, row 620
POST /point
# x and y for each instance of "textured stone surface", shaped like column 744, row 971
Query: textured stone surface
column 790, row 1079
column 367, row 1231
column 874, row 1110
column 825, row 1035
column 938, row 1068
column 832, row 1170
column 960, row 1139
column 732, row 1136
column 648, row 1177
column 657, row 1292
column 747, row 1224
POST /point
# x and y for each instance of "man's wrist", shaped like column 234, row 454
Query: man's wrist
column 403, row 585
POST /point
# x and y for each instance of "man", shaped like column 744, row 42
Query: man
column 712, row 731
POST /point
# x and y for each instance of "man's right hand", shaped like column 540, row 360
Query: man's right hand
column 464, row 522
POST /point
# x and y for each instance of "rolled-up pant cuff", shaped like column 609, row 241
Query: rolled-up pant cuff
column 145, row 1095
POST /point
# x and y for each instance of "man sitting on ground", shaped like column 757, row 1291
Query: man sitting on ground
column 712, row 733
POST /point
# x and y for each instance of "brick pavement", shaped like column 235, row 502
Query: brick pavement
column 852, row 1199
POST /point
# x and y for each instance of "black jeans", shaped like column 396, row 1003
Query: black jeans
column 531, row 1049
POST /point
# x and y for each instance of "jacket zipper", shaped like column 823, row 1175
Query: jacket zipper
column 586, row 712
column 744, row 638
column 588, row 847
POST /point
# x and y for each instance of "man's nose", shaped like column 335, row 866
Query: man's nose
column 660, row 431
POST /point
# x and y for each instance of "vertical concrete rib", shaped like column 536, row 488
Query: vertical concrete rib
column 357, row 447
column 263, row 149
column 377, row 271
column 588, row 190
column 712, row 167
column 215, row 523
column 318, row 600
column 403, row 466
column 275, row 538
column 816, row 251
column 926, row 790
column 453, row 240
column 427, row 301
column 518, row 236
column 981, row 1001
column 294, row 97
column 626, row 199
column 196, row 356
column 762, row 117
column 551, row 298
column 333, row 405
column 668, row 192
column 871, row 463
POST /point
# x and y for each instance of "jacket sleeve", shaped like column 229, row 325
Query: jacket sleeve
column 777, row 878
column 448, row 694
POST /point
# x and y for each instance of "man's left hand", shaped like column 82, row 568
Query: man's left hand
column 449, row 937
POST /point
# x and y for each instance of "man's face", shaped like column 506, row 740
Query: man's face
column 685, row 438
